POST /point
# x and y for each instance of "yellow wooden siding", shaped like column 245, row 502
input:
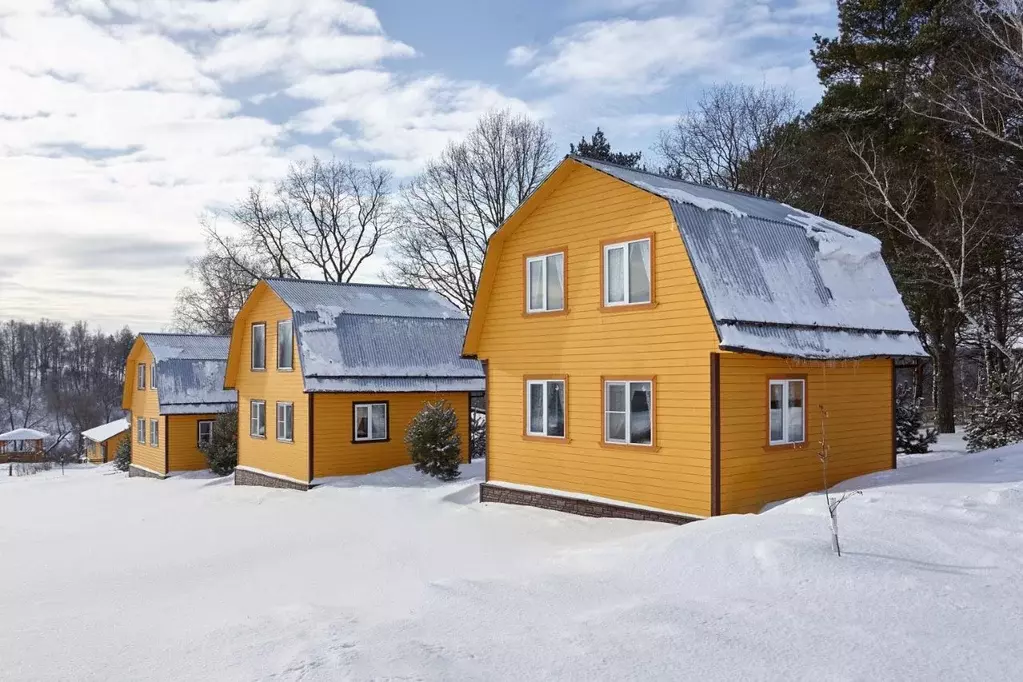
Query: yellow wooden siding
column 94, row 450
column 671, row 341
column 857, row 396
column 144, row 404
column 183, row 441
column 272, row 385
column 335, row 453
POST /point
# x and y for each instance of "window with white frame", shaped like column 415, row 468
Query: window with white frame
column 786, row 400
column 257, row 418
column 285, row 348
column 286, row 422
column 205, row 432
column 259, row 346
column 152, row 376
column 154, row 432
column 140, row 430
column 545, row 283
column 545, row 408
column 370, row 422
column 628, row 412
column 140, row 376
column 627, row 274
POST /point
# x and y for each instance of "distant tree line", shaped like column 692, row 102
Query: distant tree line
column 918, row 140
column 60, row 379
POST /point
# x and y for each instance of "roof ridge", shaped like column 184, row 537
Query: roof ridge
column 190, row 334
column 405, row 317
column 347, row 284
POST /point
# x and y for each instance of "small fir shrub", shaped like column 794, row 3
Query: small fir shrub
column 998, row 421
column 910, row 435
column 433, row 442
column 222, row 451
column 122, row 459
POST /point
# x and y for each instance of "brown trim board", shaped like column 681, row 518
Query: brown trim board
column 715, row 434
column 312, row 433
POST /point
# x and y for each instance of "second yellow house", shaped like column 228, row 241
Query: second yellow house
column 174, row 390
column 329, row 376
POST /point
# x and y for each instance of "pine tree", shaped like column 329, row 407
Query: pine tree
column 122, row 460
column 433, row 441
column 910, row 435
column 997, row 422
column 599, row 149
column 221, row 451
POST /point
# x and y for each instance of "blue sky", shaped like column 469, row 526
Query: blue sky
column 124, row 121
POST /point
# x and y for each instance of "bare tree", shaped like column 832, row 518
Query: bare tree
column 833, row 500
column 323, row 220
column 735, row 138
column 448, row 212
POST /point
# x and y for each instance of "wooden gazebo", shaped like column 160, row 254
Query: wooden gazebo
column 21, row 445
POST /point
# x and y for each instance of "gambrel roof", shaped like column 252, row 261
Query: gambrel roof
column 189, row 373
column 355, row 338
column 776, row 280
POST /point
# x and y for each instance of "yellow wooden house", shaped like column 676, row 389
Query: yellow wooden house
column 101, row 442
column 329, row 375
column 174, row 390
column 659, row 349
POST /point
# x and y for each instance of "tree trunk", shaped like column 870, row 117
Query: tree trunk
column 945, row 381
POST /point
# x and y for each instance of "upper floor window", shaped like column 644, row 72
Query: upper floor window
column 786, row 398
column 285, row 347
column 628, row 412
column 140, row 376
column 259, row 346
column 545, row 408
column 627, row 273
column 545, row 283
column 152, row 376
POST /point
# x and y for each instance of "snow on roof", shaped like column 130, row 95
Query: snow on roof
column 190, row 371
column 187, row 346
column 107, row 431
column 357, row 337
column 764, row 266
column 23, row 434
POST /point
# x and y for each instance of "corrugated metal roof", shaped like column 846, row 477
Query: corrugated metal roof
column 192, row 382
column 369, row 338
column 187, row 346
column 760, row 262
column 107, row 431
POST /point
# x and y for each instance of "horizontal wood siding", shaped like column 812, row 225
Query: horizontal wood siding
column 184, row 452
column 145, row 404
column 272, row 385
column 670, row 341
column 857, row 396
column 337, row 455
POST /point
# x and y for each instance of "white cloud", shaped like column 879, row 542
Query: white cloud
column 521, row 55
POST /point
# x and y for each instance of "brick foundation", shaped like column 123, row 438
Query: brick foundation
column 139, row 472
column 573, row 505
column 245, row 477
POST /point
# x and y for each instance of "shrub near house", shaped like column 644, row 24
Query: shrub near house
column 663, row 344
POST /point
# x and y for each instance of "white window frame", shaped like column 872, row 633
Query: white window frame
column 627, row 383
column 291, row 346
column 542, row 259
column 369, row 422
column 140, row 376
column 198, row 436
column 626, row 283
column 287, row 433
column 252, row 348
column 152, row 376
column 154, row 433
column 257, row 418
column 785, row 421
column 140, row 430
column 529, row 407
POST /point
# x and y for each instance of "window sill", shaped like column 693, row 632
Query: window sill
column 257, row 437
column 257, row 369
column 544, row 313
column 787, row 446
column 546, row 439
column 288, row 441
column 285, row 369
column 629, row 446
column 623, row 307
column 370, row 441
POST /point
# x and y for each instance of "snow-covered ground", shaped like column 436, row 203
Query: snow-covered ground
column 391, row 577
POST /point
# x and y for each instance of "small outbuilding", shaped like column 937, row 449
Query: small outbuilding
column 101, row 442
column 22, row 445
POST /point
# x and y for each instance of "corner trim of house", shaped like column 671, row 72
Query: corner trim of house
column 490, row 492
column 895, row 455
column 250, row 476
column 715, row 434
column 137, row 471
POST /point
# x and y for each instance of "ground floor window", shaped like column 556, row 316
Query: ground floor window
column 205, row 432
column 370, row 422
column 786, row 400
column 257, row 418
column 140, row 430
column 286, row 422
column 154, row 432
column 545, row 407
column 628, row 412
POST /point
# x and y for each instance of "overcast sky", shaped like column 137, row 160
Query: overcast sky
column 122, row 121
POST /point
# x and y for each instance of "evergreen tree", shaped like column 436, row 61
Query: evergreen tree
column 122, row 460
column 599, row 149
column 433, row 441
column 221, row 451
column 998, row 421
column 910, row 435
